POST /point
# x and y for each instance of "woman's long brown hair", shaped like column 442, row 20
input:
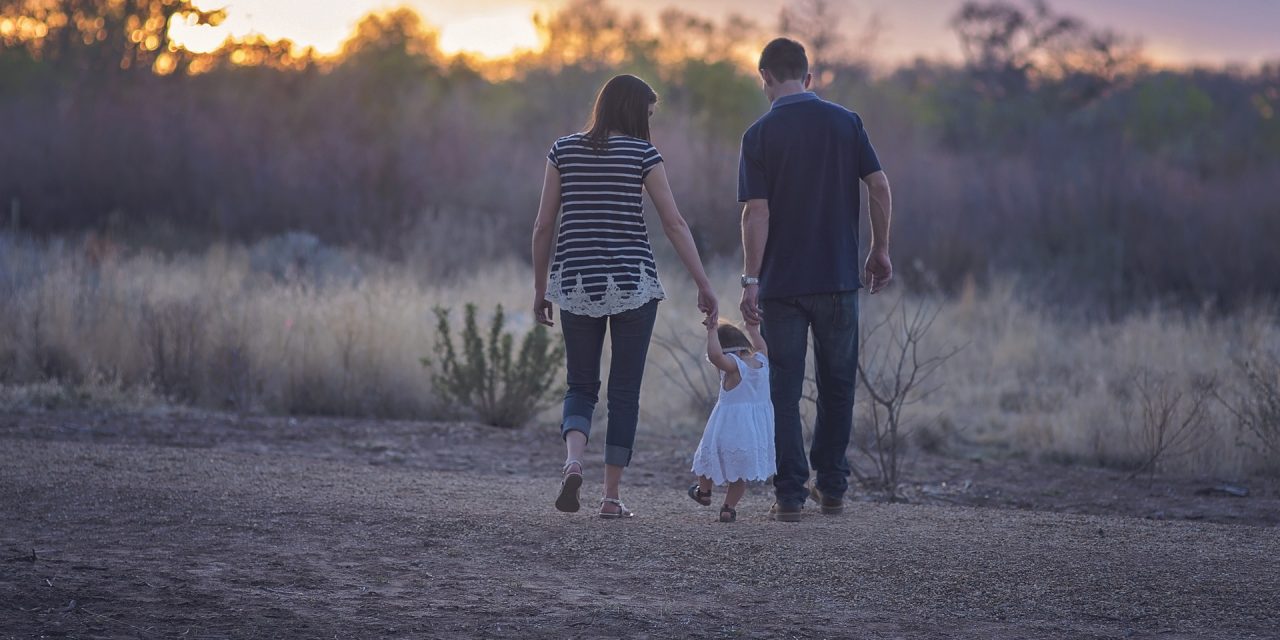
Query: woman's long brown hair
column 622, row 106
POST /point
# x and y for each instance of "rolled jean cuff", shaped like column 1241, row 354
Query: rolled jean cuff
column 617, row 456
column 576, row 423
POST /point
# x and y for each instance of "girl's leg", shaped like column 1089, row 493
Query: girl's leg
column 734, row 493
column 704, row 484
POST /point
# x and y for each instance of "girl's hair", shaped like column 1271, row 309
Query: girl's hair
column 622, row 106
column 731, row 337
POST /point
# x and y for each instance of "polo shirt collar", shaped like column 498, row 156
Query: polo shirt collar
column 794, row 98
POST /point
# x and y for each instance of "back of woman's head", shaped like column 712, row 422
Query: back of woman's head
column 622, row 106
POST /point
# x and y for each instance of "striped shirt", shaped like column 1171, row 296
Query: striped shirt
column 603, row 263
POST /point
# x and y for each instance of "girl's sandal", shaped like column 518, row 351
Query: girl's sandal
column 699, row 497
column 623, row 512
column 568, row 501
column 728, row 514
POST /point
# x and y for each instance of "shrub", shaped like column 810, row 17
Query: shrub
column 895, row 375
column 1256, row 407
column 173, row 331
column 1172, row 420
column 485, row 379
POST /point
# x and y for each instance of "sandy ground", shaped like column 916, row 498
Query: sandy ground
column 214, row 526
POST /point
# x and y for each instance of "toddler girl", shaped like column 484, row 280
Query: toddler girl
column 737, row 444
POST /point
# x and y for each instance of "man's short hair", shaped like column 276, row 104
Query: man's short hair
column 785, row 59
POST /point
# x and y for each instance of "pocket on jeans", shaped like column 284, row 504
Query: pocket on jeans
column 845, row 310
column 641, row 312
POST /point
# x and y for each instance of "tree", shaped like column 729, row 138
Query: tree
column 393, row 45
column 591, row 34
column 102, row 37
column 817, row 25
column 1009, row 47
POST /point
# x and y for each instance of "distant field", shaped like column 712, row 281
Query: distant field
column 296, row 328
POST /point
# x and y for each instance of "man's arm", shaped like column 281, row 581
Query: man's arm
column 755, row 233
column 879, row 269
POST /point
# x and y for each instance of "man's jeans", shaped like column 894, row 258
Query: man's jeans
column 787, row 321
column 629, row 334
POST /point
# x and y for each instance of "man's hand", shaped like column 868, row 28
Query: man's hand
column 542, row 310
column 879, row 270
column 750, row 306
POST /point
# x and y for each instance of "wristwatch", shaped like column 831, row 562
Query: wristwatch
column 749, row 280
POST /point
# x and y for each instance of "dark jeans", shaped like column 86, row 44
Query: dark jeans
column 833, row 317
column 629, row 334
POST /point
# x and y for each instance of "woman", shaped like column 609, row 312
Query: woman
column 604, row 275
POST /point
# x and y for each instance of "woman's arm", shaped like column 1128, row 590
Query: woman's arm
column 757, row 340
column 677, row 231
column 544, row 228
column 715, row 353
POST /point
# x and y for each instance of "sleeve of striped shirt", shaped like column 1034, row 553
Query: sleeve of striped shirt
column 553, row 156
column 651, row 160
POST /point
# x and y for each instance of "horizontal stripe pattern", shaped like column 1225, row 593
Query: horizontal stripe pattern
column 603, row 261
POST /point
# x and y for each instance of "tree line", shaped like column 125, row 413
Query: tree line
column 1055, row 150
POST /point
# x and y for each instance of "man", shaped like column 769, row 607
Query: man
column 798, row 176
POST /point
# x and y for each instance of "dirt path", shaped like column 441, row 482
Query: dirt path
column 140, row 531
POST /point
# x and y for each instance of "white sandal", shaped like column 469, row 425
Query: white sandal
column 568, row 501
column 623, row 512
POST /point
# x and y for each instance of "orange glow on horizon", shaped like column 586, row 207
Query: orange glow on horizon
column 497, row 33
column 500, row 30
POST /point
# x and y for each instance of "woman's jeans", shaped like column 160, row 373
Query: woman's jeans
column 833, row 317
column 629, row 334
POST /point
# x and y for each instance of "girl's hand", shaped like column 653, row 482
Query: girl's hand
column 710, row 322
column 707, row 303
column 542, row 310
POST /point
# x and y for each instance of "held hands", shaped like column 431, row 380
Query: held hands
column 879, row 270
column 708, row 304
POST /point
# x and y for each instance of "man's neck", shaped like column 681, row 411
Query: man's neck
column 789, row 88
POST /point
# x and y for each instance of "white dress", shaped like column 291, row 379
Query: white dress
column 738, row 441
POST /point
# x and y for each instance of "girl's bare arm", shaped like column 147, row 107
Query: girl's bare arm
column 715, row 353
column 757, row 340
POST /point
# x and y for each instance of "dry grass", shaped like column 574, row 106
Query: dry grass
column 314, row 331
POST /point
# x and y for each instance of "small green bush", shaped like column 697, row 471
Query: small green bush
column 485, row 379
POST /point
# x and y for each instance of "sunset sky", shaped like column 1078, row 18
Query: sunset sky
column 1174, row 31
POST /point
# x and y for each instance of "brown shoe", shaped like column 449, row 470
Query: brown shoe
column 829, row 506
column 728, row 514
column 785, row 513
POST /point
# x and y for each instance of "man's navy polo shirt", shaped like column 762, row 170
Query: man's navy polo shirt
column 806, row 157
